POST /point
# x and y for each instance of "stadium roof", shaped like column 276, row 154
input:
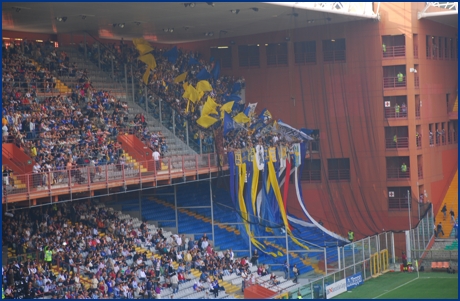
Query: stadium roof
column 441, row 12
column 189, row 21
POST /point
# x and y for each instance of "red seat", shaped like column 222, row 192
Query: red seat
column 445, row 265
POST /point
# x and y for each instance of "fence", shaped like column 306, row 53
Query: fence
column 371, row 256
column 84, row 179
column 421, row 235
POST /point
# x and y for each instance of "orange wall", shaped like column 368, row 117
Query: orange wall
column 345, row 102
column 19, row 155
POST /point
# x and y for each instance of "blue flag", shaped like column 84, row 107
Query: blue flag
column 172, row 55
column 216, row 70
column 193, row 61
column 306, row 131
column 229, row 124
column 203, row 75
column 236, row 88
column 231, row 97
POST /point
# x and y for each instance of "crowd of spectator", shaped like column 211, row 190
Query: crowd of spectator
column 67, row 131
column 63, row 131
column 161, row 86
column 97, row 253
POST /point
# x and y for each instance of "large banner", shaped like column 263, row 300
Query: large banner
column 354, row 281
column 336, row 288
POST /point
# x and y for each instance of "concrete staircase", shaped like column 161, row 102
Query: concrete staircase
column 99, row 78
column 102, row 80
column 451, row 201
column 60, row 86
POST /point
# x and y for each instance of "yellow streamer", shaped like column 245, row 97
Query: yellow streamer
column 244, row 213
column 255, row 181
column 276, row 190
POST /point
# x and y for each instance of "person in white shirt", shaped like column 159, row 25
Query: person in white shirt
column 204, row 244
column 156, row 158
column 179, row 242
column 141, row 275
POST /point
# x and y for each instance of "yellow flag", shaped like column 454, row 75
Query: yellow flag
column 206, row 121
column 185, row 85
column 142, row 46
column 200, row 94
column 191, row 93
column 180, row 78
column 203, row 85
column 146, row 75
column 241, row 118
column 149, row 59
column 226, row 108
column 209, row 107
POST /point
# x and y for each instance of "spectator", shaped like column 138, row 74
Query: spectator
column 444, row 211
column 440, row 230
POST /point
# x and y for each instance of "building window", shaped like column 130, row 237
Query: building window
column 398, row 168
column 334, row 50
column 277, row 54
column 314, row 144
column 432, row 47
column 395, row 106
column 393, row 46
column 248, row 55
column 338, row 169
column 397, row 198
column 305, row 52
column 396, row 137
column 394, row 76
column 223, row 55
column 311, row 171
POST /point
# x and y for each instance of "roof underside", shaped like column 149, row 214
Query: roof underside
column 150, row 19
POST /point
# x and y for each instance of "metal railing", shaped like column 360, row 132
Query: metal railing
column 401, row 142
column 391, row 113
column 415, row 52
column 334, row 56
column 397, row 203
column 84, row 179
column 394, row 82
column 418, row 141
column 420, row 173
column 416, row 81
column 370, row 256
column 311, row 176
column 397, row 173
column 394, row 51
column 339, row 174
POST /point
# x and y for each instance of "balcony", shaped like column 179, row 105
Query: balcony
column 394, row 82
column 311, row 176
column 397, row 203
column 417, row 112
column 339, row 174
column 391, row 113
column 396, row 173
column 416, row 81
column 32, row 186
column 451, row 138
column 334, row 56
column 420, row 173
column 419, row 142
column 394, row 52
column 401, row 142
